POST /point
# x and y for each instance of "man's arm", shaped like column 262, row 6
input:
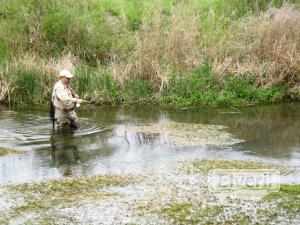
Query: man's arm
column 63, row 96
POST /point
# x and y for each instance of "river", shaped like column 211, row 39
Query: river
column 103, row 145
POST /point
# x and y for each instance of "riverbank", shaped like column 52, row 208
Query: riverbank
column 174, row 195
column 135, row 52
column 24, row 86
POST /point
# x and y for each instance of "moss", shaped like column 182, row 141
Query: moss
column 5, row 151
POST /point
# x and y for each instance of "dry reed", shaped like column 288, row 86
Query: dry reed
column 267, row 46
column 162, row 46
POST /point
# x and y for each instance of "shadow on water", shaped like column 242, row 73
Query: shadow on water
column 102, row 145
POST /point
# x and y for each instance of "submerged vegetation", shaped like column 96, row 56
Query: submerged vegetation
column 281, row 207
column 167, row 52
column 183, row 134
column 203, row 166
column 5, row 151
column 161, row 200
column 287, row 200
column 43, row 196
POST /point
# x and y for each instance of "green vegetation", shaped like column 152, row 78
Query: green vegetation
column 167, row 52
column 186, row 213
column 43, row 196
column 205, row 165
column 5, row 151
column 1, row 50
column 278, row 206
column 287, row 200
column 186, row 134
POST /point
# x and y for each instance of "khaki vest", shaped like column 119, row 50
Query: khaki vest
column 64, row 105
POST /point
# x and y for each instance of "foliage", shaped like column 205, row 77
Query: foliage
column 170, row 52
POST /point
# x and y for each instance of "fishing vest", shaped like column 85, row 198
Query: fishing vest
column 67, row 92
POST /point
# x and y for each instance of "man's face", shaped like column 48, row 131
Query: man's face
column 65, row 80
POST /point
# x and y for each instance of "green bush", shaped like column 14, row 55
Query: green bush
column 96, row 85
column 2, row 50
column 138, row 91
column 28, row 88
column 198, row 87
column 108, row 34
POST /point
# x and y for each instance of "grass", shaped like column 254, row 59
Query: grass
column 186, row 213
column 197, row 52
column 287, row 199
column 2, row 52
column 31, row 84
column 275, row 207
column 44, row 196
column 205, row 165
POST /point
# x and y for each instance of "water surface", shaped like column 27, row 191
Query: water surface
column 270, row 133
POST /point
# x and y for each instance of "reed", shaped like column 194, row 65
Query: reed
column 167, row 52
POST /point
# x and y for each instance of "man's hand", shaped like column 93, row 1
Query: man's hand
column 78, row 100
column 81, row 101
column 76, row 96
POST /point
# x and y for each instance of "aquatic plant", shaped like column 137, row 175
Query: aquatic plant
column 184, row 134
column 43, row 196
column 5, row 151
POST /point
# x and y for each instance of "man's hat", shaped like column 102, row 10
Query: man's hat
column 65, row 73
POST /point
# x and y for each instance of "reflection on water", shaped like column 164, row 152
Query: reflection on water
column 102, row 145
column 64, row 150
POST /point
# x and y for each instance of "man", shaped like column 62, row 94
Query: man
column 64, row 101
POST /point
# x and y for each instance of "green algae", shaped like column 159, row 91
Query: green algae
column 186, row 134
column 5, row 151
column 43, row 196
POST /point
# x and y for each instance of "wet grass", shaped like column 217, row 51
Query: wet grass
column 6, row 151
column 205, row 165
column 41, row 202
column 277, row 207
column 44, row 196
column 187, row 213
column 285, row 202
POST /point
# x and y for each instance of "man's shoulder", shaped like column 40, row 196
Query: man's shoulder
column 58, row 84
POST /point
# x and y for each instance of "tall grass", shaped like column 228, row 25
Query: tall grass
column 168, row 52
column 266, row 45
column 161, row 45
